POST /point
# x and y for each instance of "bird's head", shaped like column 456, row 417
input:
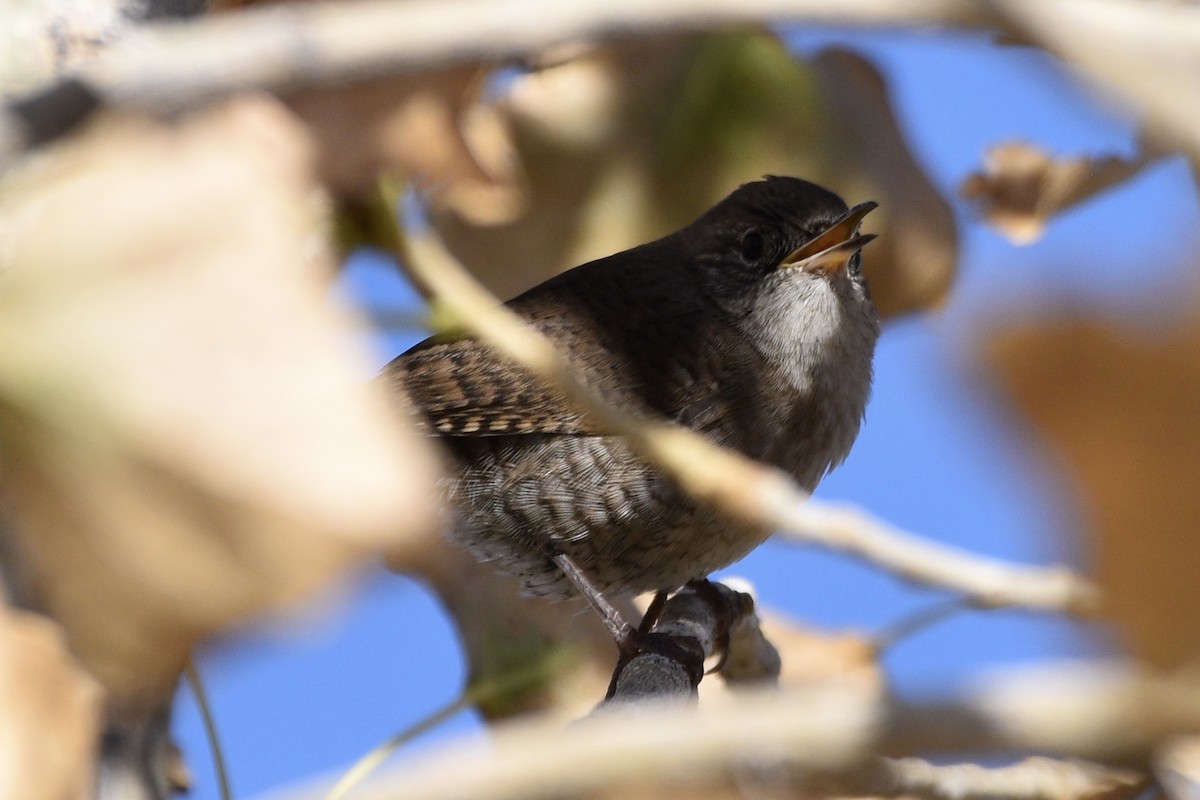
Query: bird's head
column 781, row 256
column 779, row 234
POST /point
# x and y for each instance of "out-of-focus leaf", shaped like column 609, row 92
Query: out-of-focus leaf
column 1144, row 54
column 1122, row 411
column 813, row 657
column 50, row 728
column 912, row 264
column 590, row 135
column 1177, row 767
column 1021, row 187
column 428, row 128
column 187, row 432
column 636, row 139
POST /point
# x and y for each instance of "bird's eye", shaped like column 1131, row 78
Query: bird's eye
column 752, row 245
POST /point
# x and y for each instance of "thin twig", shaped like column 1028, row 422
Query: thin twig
column 987, row 583
column 914, row 623
column 370, row 762
column 210, row 729
column 476, row 694
column 755, row 493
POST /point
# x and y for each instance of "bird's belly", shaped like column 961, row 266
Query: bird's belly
column 811, row 429
column 622, row 522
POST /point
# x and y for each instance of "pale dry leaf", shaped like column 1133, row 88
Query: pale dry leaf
column 1021, row 187
column 1177, row 766
column 630, row 141
column 913, row 263
column 50, row 728
column 431, row 129
column 635, row 139
column 187, row 430
column 1121, row 411
column 813, row 658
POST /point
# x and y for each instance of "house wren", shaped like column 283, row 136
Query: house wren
column 752, row 326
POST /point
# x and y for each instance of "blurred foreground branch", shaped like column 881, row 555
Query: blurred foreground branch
column 752, row 492
column 827, row 737
column 1143, row 53
column 1031, row 779
column 165, row 67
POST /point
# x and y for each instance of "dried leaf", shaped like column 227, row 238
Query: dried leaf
column 631, row 141
column 609, row 146
column 912, row 264
column 1021, row 187
column 1122, row 411
column 186, row 429
column 812, row 657
column 1177, row 765
column 50, row 728
column 429, row 128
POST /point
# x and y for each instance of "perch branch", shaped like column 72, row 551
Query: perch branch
column 699, row 621
column 755, row 493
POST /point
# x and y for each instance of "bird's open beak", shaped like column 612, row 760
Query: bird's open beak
column 832, row 249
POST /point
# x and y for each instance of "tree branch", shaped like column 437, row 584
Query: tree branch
column 167, row 67
column 1031, row 779
column 283, row 46
column 821, row 736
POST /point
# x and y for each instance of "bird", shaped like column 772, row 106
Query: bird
column 752, row 326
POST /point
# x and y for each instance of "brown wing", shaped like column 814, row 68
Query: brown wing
column 640, row 336
column 463, row 389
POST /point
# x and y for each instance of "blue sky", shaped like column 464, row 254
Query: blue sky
column 307, row 696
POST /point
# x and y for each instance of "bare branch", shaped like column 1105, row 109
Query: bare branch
column 283, row 46
column 637, row 742
column 165, row 67
column 821, row 736
column 987, row 583
column 753, row 492
column 1031, row 779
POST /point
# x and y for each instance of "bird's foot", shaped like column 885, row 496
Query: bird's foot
column 683, row 650
column 725, row 611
